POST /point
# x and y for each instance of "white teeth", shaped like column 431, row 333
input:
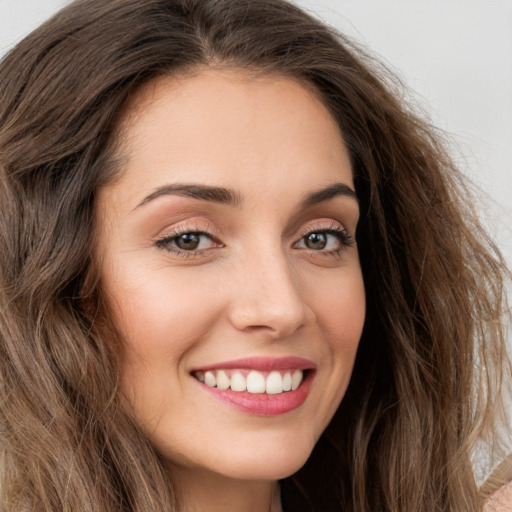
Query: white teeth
column 238, row 382
column 210, row 379
column 255, row 382
column 223, row 381
column 276, row 382
column 287, row 381
column 296, row 379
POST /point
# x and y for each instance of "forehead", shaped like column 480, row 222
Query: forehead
column 226, row 127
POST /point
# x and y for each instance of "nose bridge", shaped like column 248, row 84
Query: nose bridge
column 267, row 295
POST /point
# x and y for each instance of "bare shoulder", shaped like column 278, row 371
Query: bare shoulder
column 501, row 500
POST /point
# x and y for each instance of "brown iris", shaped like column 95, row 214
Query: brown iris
column 316, row 241
column 188, row 241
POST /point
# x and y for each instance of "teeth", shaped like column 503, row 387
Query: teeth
column 273, row 383
column 296, row 379
column 255, row 382
column 223, row 381
column 287, row 381
column 210, row 379
column 238, row 382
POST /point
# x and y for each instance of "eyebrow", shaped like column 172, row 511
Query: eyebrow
column 330, row 192
column 203, row 192
column 231, row 197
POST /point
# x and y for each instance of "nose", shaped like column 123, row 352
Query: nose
column 266, row 296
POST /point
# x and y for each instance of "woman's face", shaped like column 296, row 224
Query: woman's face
column 228, row 259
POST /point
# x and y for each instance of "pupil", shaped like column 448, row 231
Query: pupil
column 188, row 241
column 316, row 241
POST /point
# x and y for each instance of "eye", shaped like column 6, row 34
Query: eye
column 186, row 242
column 190, row 241
column 331, row 240
column 319, row 241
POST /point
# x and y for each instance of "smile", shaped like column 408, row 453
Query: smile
column 252, row 381
column 260, row 386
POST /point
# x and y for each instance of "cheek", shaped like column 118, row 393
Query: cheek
column 338, row 301
column 157, row 313
column 344, row 318
column 157, row 316
column 340, row 308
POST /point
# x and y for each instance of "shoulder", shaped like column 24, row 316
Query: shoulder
column 497, row 489
column 501, row 500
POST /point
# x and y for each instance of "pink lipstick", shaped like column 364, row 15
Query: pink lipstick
column 259, row 385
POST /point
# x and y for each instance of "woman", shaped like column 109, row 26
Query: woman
column 188, row 313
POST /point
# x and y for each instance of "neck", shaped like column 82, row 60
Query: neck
column 203, row 491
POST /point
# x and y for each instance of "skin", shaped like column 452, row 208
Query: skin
column 501, row 500
column 255, row 288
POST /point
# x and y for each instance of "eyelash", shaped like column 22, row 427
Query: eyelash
column 164, row 243
column 344, row 237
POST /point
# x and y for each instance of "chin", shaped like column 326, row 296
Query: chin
column 264, row 470
column 257, row 458
column 274, row 461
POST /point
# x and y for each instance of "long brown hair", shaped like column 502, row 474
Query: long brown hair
column 432, row 350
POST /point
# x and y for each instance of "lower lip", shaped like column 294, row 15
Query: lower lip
column 262, row 404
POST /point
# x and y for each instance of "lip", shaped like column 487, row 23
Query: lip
column 262, row 364
column 262, row 404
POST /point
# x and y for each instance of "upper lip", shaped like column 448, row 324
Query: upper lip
column 261, row 364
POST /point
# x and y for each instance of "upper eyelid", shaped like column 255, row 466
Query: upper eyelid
column 203, row 227
column 341, row 231
column 321, row 225
column 209, row 229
